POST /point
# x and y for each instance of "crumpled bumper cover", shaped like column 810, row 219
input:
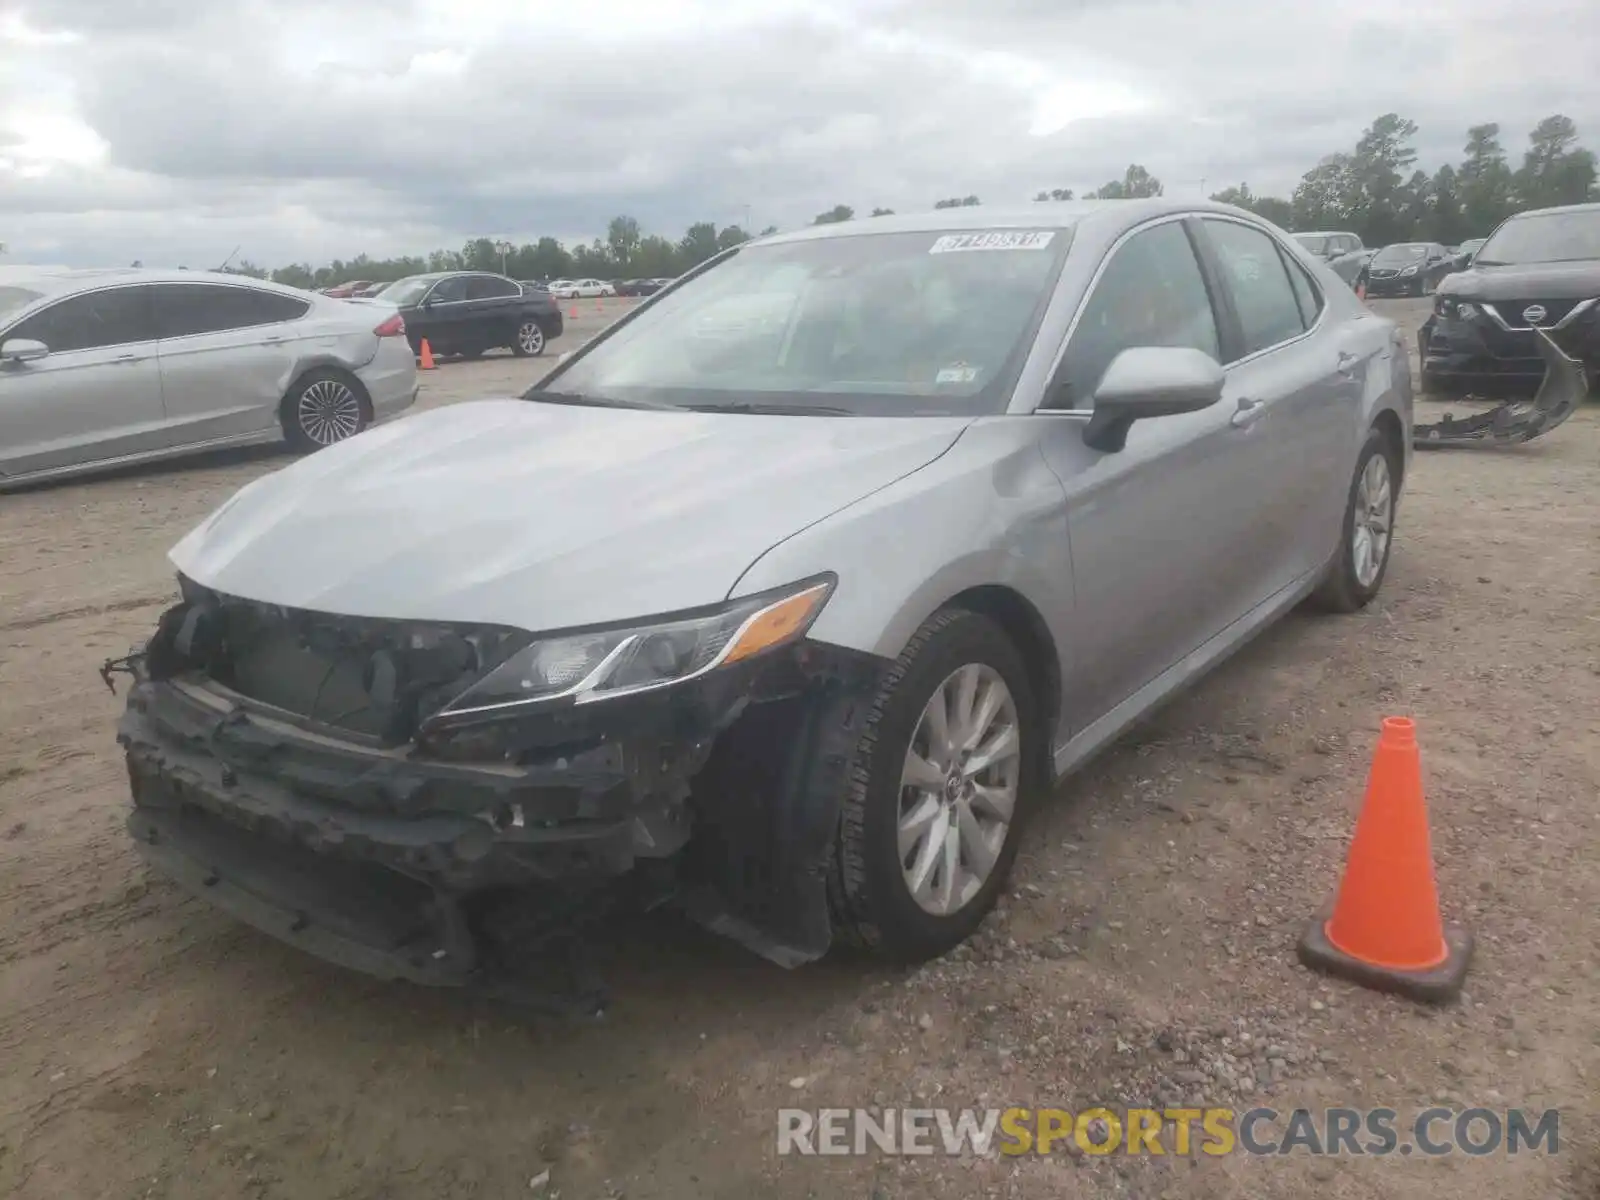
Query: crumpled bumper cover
column 385, row 861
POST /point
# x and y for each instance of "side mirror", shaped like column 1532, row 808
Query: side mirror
column 22, row 350
column 1150, row 381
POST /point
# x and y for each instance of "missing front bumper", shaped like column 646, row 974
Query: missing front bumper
column 402, row 867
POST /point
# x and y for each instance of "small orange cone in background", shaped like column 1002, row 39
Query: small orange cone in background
column 1361, row 291
column 572, row 313
column 427, row 355
column 1384, row 930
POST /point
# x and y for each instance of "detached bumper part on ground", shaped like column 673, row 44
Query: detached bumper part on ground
column 1562, row 388
column 442, row 865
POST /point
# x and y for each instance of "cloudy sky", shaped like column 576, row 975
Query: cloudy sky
column 172, row 131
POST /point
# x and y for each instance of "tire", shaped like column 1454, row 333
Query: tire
column 870, row 896
column 528, row 339
column 1351, row 583
column 325, row 407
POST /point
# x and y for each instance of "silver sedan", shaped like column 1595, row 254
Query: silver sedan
column 107, row 368
column 805, row 579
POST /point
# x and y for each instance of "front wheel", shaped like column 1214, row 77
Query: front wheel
column 529, row 340
column 325, row 407
column 1368, row 533
column 943, row 773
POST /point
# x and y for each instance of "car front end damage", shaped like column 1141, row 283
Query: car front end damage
column 1492, row 346
column 370, row 790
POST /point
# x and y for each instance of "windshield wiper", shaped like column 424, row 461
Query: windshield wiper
column 543, row 397
column 775, row 410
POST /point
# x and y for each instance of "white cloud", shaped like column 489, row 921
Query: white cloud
column 173, row 130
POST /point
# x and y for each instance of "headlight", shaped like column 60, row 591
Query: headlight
column 1409, row 271
column 1460, row 310
column 602, row 664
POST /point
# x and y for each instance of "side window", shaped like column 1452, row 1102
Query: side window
column 448, row 290
column 189, row 309
column 1259, row 283
column 490, row 287
column 1151, row 293
column 1306, row 293
column 113, row 317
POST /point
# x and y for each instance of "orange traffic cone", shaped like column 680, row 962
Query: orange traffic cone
column 1384, row 930
column 572, row 313
column 426, row 356
column 1361, row 290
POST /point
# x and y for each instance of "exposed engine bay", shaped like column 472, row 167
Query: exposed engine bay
column 301, row 771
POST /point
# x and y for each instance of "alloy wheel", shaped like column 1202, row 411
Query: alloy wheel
column 958, row 789
column 328, row 412
column 1371, row 519
column 530, row 337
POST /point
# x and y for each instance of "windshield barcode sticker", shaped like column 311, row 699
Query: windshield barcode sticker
column 955, row 243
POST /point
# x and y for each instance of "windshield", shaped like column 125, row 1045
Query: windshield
column 1399, row 255
column 881, row 324
column 1316, row 243
column 406, row 291
column 1544, row 238
column 14, row 299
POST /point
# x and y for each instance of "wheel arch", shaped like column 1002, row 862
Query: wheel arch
column 322, row 367
column 1387, row 422
column 1028, row 631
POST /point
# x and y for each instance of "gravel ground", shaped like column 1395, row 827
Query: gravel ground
column 153, row 1048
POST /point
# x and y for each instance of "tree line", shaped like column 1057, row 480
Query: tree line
column 1374, row 190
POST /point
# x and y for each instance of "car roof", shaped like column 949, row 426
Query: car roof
column 58, row 280
column 1054, row 214
column 1589, row 206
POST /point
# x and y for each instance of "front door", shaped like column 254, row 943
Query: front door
column 1159, row 531
column 95, row 397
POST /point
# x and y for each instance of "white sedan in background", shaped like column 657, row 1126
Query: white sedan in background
column 573, row 289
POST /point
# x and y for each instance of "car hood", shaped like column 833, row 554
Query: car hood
column 1535, row 281
column 544, row 516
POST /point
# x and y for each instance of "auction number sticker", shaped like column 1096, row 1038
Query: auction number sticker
column 957, row 243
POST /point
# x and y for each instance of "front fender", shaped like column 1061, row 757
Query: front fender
column 987, row 513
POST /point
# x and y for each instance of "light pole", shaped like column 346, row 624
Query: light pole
column 504, row 248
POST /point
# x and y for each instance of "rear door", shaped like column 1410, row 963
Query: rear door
column 96, row 396
column 446, row 313
column 1302, row 370
column 496, row 303
column 228, row 355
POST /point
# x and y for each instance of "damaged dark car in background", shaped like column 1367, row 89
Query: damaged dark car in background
column 783, row 619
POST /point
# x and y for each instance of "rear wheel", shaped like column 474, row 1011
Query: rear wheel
column 1368, row 535
column 325, row 407
column 943, row 774
column 528, row 341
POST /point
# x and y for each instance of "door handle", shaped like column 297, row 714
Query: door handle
column 123, row 360
column 1248, row 413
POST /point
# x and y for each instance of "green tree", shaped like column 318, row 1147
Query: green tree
column 769, row 231
column 836, row 214
column 1135, row 184
column 1447, row 220
column 958, row 202
column 622, row 240
column 731, row 236
column 1055, row 194
column 882, row 212
column 1323, row 199
column 1484, row 180
column 1555, row 169
column 698, row 244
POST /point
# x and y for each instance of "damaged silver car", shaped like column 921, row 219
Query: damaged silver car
column 784, row 599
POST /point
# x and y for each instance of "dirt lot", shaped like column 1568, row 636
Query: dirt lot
column 152, row 1048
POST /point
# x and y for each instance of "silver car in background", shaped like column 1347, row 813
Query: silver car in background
column 805, row 610
column 101, row 368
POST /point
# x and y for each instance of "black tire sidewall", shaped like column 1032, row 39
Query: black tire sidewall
column 903, row 929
